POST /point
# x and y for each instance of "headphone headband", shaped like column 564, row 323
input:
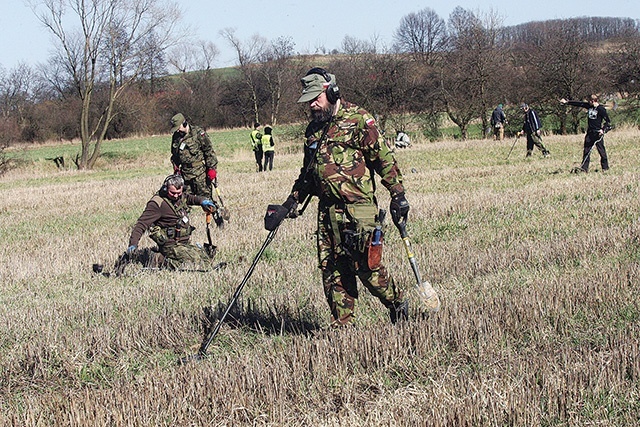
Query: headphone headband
column 320, row 71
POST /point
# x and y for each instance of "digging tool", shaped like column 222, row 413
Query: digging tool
column 202, row 352
column 223, row 212
column 513, row 145
column 426, row 293
column 209, row 247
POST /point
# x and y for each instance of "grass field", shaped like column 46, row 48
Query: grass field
column 537, row 270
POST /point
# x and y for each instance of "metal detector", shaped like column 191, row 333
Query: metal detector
column 427, row 295
column 202, row 352
column 513, row 145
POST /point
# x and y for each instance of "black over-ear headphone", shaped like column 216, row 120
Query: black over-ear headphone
column 164, row 188
column 165, row 185
column 333, row 91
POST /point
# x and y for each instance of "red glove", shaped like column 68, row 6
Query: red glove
column 211, row 174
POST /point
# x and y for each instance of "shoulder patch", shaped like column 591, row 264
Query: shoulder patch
column 370, row 122
column 157, row 199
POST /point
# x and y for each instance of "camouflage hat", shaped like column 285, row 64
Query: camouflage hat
column 313, row 85
column 176, row 122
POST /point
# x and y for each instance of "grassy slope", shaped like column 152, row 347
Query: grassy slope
column 537, row 270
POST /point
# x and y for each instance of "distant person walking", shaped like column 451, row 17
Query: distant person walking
column 256, row 145
column 192, row 156
column 598, row 123
column 498, row 120
column 268, row 144
column 531, row 127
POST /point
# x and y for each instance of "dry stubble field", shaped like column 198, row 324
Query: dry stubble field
column 537, row 270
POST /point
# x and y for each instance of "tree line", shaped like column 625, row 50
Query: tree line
column 118, row 78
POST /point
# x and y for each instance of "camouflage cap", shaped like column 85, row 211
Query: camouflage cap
column 313, row 85
column 176, row 122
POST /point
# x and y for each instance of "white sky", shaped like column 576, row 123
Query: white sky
column 310, row 23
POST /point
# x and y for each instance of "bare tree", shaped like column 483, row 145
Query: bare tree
column 422, row 34
column 16, row 91
column 278, row 72
column 105, row 53
column 249, row 54
column 471, row 75
column 560, row 65
column 208, row 54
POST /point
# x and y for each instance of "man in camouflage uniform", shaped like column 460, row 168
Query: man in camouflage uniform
column 342, row 150
column 166, row 217
column 192, row 156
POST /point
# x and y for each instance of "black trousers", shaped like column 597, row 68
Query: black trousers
column 591, row 139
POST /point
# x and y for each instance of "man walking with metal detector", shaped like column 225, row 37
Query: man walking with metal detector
column 598, row 123
column 531, row 127
column 343, row 148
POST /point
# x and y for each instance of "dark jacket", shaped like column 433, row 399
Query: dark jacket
column 166, row 214
column 595, row 115
column 531, row 122
column 498, row 117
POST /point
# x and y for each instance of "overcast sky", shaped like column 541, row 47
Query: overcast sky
column 311, row 24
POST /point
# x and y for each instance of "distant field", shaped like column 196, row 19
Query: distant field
column 537, row 268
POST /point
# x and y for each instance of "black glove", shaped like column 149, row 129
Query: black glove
column 399, row 208
column 291, row 205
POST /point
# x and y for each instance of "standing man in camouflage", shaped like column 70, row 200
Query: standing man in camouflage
column 166, row 217
column 192, row 156
column 531, row 127
column 256, row 145
column 343, row 148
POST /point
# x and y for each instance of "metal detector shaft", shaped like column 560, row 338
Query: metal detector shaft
column 512, row 145
column 212, row 334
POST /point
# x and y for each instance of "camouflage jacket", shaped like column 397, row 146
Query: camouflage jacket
column 193, row 153
column 166, row 214
column 339, row 168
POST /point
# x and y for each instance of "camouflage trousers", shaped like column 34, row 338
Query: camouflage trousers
column 343, row 257
column 197, row 184
column 185, row 256
column 535, row 139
